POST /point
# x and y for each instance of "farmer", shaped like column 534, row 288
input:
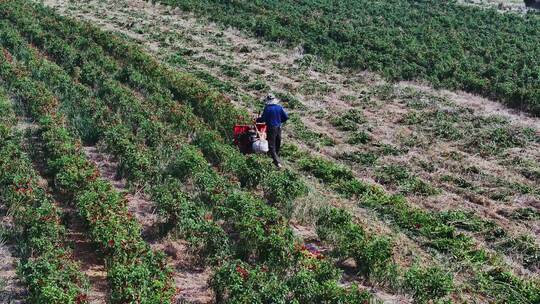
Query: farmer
column 273, row 115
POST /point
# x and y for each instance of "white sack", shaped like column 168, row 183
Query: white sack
column 260, row 146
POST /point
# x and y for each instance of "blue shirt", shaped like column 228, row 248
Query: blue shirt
column 273, row 115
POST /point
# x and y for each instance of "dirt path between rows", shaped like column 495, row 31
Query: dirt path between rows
column 191, row 279
column 12, row 290
column 88, row 255
column 84, row 250
column 138, row 205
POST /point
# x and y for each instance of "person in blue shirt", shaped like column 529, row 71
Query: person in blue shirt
column 273, row 115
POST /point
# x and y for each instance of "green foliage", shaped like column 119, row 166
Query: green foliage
column 487, row 135
column 492, row 139
column 236, row 282
column 262, row 234
column 370, row 253
column 351, row 187
column 187, row 160
column 348, row 121
column 318, row 285
column 325, row 170
column 519, row 292
column 361, row 158
column 308, row 61
column 305, row 134
column 458, row 181
column 46, row 266
column 214, row 82
column 258, row 85
column 526, row 247
column 177, row 60
column 452, row 48
column 438, row 235
column 191, row 221
column 467, row 221
column 359, row 137
column 428, row 284
column 231, row 71
column 315, row 282
column 339, row 177
column 386, row 149
column 291, row 101
column 527, row 214
column 254, row 171
column 281, row 188
column 407, row 183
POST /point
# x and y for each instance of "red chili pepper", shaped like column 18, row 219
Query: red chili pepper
column 8, row 56
column 244, row 273
column 81, row 298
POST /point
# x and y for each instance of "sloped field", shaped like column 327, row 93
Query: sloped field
column 392, row 192
column 454, row 46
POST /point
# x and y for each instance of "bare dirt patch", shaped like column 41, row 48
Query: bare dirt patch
column 12, row 289
column 192, row 280
column 88, row 255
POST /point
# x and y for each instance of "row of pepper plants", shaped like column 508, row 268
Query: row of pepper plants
column 46, row 264
column 204, row 104
column 456, row 46
column 438, row 231
column 135, row 273
column 244, row 214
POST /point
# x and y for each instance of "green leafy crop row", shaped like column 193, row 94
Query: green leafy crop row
column 46, row 265
column 135, row 272
column 435, row 230
column 455, row 46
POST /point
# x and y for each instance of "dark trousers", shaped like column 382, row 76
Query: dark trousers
column 274, row 143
